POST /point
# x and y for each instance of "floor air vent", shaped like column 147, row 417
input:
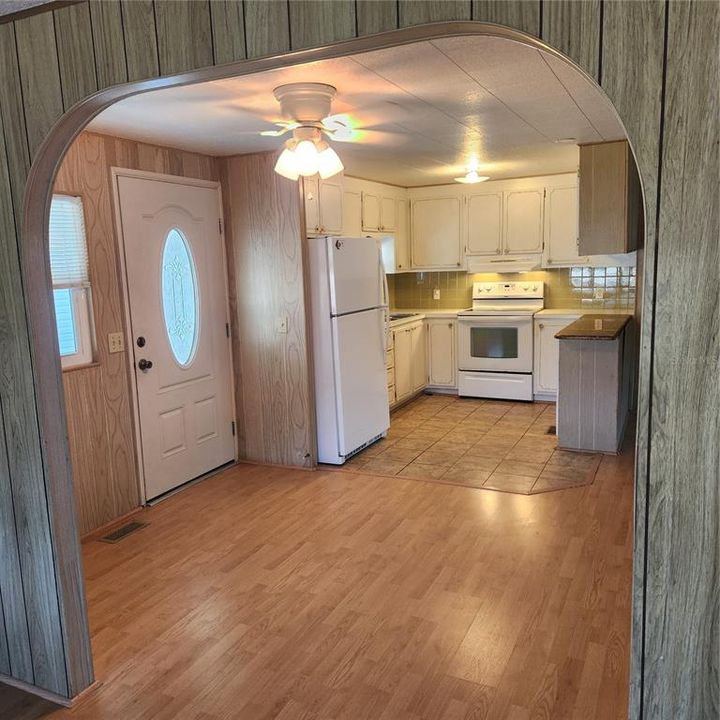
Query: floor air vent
column 123, row 532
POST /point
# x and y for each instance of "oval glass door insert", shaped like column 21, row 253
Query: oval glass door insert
column 179, row 297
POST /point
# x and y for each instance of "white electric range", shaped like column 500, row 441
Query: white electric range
column 495, row 340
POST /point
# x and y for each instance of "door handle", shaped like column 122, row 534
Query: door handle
column 144, row 364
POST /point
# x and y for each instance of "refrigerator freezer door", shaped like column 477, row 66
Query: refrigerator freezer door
column 360, row 378
column 356, row 274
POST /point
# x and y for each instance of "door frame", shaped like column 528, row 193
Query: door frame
column 33, row 240
column 115, row 174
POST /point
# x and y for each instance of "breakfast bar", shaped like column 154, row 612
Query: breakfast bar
column 595, row 381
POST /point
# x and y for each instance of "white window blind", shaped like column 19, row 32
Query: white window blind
column 68, row 246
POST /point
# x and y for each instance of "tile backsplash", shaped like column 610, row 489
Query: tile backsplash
column 575, row 287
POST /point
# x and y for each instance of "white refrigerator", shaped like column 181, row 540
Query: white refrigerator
column 348, row 294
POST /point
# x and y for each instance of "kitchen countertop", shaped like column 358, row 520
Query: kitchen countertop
column 595, row 326
column 575, row 312
column 422, row 314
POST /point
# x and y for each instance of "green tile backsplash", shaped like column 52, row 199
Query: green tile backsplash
column 564, row 288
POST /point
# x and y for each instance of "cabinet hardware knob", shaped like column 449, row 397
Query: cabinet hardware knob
column 541, row 326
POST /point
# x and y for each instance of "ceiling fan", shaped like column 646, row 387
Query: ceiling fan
column 309, row 105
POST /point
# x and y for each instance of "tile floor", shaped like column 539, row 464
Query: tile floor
column 489, row 444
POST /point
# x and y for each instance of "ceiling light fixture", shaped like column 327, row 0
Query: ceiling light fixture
column 308, row 154
column 472, row 177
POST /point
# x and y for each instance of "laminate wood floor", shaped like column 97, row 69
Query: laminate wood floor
column 272, row 593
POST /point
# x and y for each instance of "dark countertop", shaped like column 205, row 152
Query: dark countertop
column 595, row 327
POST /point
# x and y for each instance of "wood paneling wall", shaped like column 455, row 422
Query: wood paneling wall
column 658, row 63
column 97, row 398
column 265, row 263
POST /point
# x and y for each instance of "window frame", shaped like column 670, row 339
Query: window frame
column 82, row 309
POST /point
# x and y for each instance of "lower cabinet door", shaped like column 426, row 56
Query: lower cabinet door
column 419, row 356
column 442, row 363
column 402, row 339
column 547, row 354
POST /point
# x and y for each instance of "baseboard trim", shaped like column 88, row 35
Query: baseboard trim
column 48, row 695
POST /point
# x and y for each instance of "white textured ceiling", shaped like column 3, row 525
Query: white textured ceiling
column 427, row 110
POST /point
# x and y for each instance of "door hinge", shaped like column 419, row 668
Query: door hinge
column 220, row 225
column 227, row 329
column 232, row 427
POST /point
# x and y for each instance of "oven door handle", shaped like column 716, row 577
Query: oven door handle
column 492, row 319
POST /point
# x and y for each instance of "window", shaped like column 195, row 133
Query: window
column 71, row 283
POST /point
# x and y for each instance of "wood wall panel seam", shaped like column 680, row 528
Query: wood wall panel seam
column 267, row 27
column 520, row 14
column 107, row 32
column 140, row 39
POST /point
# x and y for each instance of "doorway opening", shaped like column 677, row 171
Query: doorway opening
column 411, row 132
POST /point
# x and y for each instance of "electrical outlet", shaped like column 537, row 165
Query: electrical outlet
column 282, row 325
column 116, row 342
column 436, row 293
column 599, row 293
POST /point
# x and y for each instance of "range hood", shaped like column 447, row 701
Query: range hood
column 503, row 264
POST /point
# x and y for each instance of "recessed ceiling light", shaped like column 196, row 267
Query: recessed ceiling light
column 565, row 141
column 472, row 177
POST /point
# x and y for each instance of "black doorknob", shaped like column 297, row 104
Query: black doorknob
column 140, row 341
column 144, row 364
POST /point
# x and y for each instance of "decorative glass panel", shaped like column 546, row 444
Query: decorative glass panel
column 179, row 297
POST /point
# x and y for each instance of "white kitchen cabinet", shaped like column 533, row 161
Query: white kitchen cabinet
column 561, row 227
column 418, row 336
column 352, row 213
column 441, row 352
column 485, row 223
column 395, row 246
column 546, row 365
column 403, row 352
column 435, row 232
column 410, row 359
column 523, row 232
column 379, row 212
column 401, row 237
column 323, row 205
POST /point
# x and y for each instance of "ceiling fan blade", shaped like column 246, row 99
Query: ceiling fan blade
column 274, row 133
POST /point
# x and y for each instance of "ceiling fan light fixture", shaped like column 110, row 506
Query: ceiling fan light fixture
column 287, row 165
column 472, row 177
column 329, row 163
column 308, row 154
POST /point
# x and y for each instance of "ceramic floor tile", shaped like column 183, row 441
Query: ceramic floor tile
column 413, row 443
column 469, row 462
column 515, row 467
column 422, row 471
column 383, row 467
column 509, row 483
column 466, row 476
column 396, row 454
column 437, row 457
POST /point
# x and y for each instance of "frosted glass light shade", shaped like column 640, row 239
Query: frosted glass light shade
column 287, row 165
column 329, row 163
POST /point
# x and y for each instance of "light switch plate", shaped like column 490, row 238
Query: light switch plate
column 116, row 342
column 436, row 294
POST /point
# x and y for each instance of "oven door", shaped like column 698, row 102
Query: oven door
column 500, row 343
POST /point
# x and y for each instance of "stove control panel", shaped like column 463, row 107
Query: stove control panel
column 509, row 290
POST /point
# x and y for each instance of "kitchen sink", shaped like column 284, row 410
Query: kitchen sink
column 401, row 316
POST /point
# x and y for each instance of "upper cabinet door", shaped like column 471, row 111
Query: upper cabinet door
column 402, row 249
column 352, row 213
column 561, row 227
column 611, row 214
column 485, row 223
column 524, row 221
column 312, row 205
column 331, row 207
column 370, row 212
column 388, row 212
column 435, row 238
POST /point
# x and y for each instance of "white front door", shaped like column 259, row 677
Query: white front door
column 177, row 295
